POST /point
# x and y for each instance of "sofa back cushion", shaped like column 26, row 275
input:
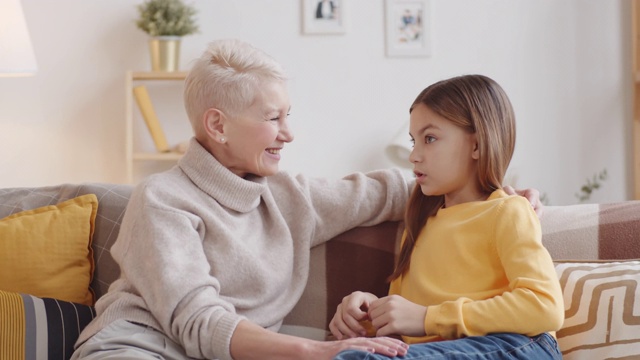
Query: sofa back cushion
column 592, row 231
column 359, row 259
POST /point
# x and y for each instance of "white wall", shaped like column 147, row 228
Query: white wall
column 564, row 64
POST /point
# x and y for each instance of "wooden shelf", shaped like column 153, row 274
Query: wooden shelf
column 158, row 75
column 169, row 156
column 133, row 77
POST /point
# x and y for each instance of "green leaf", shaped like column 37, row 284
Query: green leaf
column 167, row 18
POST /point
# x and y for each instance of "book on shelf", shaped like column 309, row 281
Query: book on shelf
column 150, row 118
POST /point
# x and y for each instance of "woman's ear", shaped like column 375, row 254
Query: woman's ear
column 213, row 124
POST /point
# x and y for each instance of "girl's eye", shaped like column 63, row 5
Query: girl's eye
column 429, row 139
column 413, row 142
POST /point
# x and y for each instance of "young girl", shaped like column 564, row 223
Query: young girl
column 472, row 268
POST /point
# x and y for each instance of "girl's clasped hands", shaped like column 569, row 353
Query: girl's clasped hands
column 364, row 314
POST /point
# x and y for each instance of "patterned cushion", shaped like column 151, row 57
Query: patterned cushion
column 602, row 310
column 39, row 328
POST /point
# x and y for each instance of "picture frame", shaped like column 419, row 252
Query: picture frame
column 408, row 28
column 323, row 17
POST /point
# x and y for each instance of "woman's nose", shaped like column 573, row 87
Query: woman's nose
column 285, row 133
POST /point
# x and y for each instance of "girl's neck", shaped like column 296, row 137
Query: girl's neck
column 453, row 199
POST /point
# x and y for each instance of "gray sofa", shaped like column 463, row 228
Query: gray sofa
column 591, row 244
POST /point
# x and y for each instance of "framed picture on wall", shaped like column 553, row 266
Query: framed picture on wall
column 323, row 16
column 408, row 27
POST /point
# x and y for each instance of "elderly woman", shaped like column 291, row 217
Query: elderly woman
column 215, row 252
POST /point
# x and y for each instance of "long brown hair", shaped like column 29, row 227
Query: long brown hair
column 479, row 105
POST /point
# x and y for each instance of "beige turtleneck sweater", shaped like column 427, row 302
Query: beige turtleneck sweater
column 201, row 248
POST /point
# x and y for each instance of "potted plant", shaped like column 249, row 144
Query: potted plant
column 166, row 21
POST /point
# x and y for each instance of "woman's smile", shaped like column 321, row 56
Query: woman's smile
column 273, row 153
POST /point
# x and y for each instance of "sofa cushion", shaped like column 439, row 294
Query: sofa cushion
column 602, row 309
column 359, row 259
column 592, row 231
column 47, row 251
column 112, row 200
column 39, row 328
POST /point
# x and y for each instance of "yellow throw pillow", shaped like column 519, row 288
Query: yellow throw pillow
column 46, row 251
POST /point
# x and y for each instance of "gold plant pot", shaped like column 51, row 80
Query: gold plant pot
column 165, row 53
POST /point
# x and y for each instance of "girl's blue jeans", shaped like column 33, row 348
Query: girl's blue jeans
column 489, row 347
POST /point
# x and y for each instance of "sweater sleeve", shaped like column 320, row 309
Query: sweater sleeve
column 533, row 302
column 160, row 252
column 360, row 199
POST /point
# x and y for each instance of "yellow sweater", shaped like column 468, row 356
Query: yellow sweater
column 480, row 267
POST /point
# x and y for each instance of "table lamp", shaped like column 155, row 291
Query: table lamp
column 16, row 54
column 400, row 148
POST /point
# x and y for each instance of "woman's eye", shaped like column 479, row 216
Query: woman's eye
column 278, row 118
column 429, row 139
column 413, row 142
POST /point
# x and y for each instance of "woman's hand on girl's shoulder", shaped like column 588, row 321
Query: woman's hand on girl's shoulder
column 532, row 195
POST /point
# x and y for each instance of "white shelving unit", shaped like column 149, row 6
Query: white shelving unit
column 134, row 78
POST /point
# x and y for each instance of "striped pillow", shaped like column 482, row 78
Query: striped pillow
column 39, row 328
column 602, row 310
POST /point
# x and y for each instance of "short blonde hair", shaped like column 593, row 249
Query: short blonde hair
column 226, row 77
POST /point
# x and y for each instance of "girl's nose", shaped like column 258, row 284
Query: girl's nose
column 413, row 156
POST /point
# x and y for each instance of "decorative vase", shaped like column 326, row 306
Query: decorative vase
column 165, row 53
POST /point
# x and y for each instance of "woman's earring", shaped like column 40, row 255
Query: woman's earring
column 222, row 140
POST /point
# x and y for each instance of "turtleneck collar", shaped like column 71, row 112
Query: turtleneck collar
column 230, row 190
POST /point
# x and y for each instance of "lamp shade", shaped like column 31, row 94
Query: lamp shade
column 16, row 54
column 400, row 147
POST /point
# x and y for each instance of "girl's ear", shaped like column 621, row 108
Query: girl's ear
column 213, row 124
column 475, row 154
